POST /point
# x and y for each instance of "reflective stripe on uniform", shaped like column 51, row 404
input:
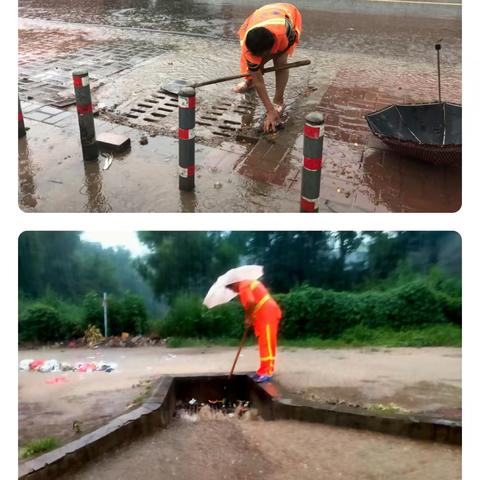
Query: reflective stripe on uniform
column 269, row 346
column 267, row 358
column 271, row 21
column 254, row 284
column 269, row 342
column 260, row 304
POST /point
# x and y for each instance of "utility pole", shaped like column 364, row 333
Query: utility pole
column 105, row 314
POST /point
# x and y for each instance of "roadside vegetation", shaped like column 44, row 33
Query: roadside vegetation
column 336, row 289
column 41, row 445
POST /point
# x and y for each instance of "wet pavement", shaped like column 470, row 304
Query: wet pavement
column 354, row 70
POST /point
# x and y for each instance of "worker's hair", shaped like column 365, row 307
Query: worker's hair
column 259, row 40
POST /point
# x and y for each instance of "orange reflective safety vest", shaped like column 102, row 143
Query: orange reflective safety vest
column 283, row 20
column 266, row 317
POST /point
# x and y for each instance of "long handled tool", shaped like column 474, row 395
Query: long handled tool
column 242, row 341
column 175, row 86
column 438, row 47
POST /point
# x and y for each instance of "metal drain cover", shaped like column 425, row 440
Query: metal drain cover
column 152, row 108
column 222, row 118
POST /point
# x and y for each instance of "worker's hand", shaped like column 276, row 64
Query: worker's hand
column 248, row 321
column 271, row 119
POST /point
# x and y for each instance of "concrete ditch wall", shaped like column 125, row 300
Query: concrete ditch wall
column 159, row 409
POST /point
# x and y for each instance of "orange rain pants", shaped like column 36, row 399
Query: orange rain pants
column 266, row 318
column 273, row 17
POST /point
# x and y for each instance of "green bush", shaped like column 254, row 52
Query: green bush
column 223, row 321
column 40, row 322
column 67, row 322
column 93, row 310
column 126, row 314
column 188, row 318
column 184, row 318
column 309, row 311
column 51, row 319
column 134, row 314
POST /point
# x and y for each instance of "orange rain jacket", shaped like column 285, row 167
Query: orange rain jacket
column 283, row 20
column 266, row 317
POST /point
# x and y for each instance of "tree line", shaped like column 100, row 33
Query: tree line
column 61, row 280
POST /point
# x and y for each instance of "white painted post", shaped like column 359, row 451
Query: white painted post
column 105, row 314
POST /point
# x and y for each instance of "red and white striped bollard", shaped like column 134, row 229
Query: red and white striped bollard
column 312, row 162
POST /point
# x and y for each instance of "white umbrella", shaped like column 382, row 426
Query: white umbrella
column 219, row 293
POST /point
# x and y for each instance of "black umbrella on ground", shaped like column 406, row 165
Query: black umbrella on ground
column 431, row 132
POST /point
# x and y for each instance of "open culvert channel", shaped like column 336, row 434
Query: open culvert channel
column 210, row 424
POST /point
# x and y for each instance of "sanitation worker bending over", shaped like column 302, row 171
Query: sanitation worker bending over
column 263, row 312
column 271, row 33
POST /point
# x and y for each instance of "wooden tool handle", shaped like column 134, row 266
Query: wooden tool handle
column 301, row 63
column 242, row 341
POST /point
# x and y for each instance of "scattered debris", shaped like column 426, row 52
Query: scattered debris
column 25, row 364
column 143, row 140
column 36, row 364
column 108, row 160
column 65, row 366
column 53, row 365
column 344, row 403
column 97, row 340
column 93, row 335
column 55, row 380
column 193, row 410
column 49, row 366
column 76, row 426
column 85, row 367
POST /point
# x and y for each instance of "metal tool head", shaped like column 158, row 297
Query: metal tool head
column 175, row 86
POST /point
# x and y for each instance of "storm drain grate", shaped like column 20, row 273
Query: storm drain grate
column 152, row 108
column 223, row 118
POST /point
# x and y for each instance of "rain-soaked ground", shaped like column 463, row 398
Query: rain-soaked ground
column 365, row 55
column 280, row 450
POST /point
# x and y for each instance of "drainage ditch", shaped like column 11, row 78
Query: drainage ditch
column 235, row 397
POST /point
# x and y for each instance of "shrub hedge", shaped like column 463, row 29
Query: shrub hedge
column 309, row 311
column 50, row 319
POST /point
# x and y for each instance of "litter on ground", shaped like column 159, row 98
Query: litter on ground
column 52, row 365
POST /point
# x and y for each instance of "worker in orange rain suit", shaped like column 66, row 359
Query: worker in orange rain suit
column 271, row 33
column 263, row 312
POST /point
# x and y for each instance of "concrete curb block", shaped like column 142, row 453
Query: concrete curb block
column 157, row 412
column 275, row 407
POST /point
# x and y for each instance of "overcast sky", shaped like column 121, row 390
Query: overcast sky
column 128, row 240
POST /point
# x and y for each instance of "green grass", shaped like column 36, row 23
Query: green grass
column 434, row 336
column 40, row 445
column 139, row 399
column 389, row 409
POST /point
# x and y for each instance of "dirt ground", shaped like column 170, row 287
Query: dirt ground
column 420, row 380
column 280, row 450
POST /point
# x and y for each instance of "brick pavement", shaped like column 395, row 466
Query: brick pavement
column 359, row 174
